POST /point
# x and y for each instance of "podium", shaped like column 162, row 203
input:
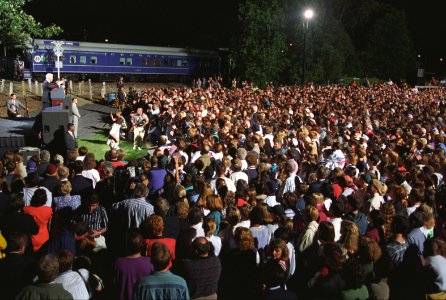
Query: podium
column 57, row 97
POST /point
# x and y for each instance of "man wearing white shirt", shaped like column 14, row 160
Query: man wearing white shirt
column 221, row 174
column 32, row 184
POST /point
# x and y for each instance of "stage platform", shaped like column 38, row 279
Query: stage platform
column 15, row 134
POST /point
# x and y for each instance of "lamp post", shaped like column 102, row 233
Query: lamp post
column 308, row 14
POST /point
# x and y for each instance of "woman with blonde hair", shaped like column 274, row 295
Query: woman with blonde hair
column 209, row 227
column 65, row 199
column 349, row 238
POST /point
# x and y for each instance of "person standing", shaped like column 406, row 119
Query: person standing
column 70, row 139
column 45, row 288
column 129, row 269
column 139, row 122
column 114, row 134
column 47, row 86
column 76, row 116
column 14, row 106
column 121, row 98
column 162, row 284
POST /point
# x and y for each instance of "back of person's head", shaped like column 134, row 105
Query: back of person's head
column 434, row 247
column 39, row 198
column 32, row 180
column 416, row 219
column 155, row 226
column 48, row 268
column 15, row 202
column 160, row 256
column 233, row 215
column 65, row 188
column 400, row 225
column 78, row 167
column 161, row 207
column 274, row 275
column 45, row 156
column 134, row 242
column 83, row 151
column 195, row 216
column 63, row 172
column 141, row 190
column 332, row 256
column 323, row 172
column 209, row 226
column 182, row 210
column 65, row 258
column 256, row 216
column 310, row 214
column 244, row 239
column 368, row 250
column 354, row 202
column 353, row 274
column 325, row 232
column 201, row 246
column 17, row 241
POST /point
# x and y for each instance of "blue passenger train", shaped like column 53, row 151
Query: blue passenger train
column 102, row 61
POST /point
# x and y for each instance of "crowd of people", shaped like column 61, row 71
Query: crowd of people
column 286, row 192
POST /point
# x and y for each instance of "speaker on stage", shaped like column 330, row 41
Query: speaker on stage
column 54, row 125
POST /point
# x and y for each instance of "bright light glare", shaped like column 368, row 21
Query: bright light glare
column 309, row 14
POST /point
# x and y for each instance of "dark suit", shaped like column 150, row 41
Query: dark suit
column 81, row 186
column 46, row 90
column 70, row 142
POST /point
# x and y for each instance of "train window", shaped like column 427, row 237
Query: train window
column 72, row 59
column 93, row 60
column 158, row 62
column 179, row 63
column 44, row 58
column 83, row 59
column 206, row 64
column 144, row 61
column 129, row 61
column 166, row 62
column 172, row 62
column 152, row 62
column 122, row 61
column 184, row 63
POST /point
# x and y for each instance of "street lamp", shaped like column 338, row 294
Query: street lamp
column 308, row 14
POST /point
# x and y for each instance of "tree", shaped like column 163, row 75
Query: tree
column 258, row 49
column 390, row 48
column 17, row 27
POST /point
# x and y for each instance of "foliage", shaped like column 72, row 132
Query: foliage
column 390, row 47
column 17, row 27
column 258, row 49
column 346, row 37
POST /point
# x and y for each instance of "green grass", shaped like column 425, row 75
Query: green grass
column 98, row 146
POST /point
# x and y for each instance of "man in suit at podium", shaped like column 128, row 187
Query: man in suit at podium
column 70, row 140
column 47, row 86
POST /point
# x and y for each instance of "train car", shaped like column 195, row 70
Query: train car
column 102, row 61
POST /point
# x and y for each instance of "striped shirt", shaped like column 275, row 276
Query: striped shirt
column 136, row 211
column 97, row 220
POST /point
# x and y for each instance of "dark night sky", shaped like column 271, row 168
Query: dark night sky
column 205, row 24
